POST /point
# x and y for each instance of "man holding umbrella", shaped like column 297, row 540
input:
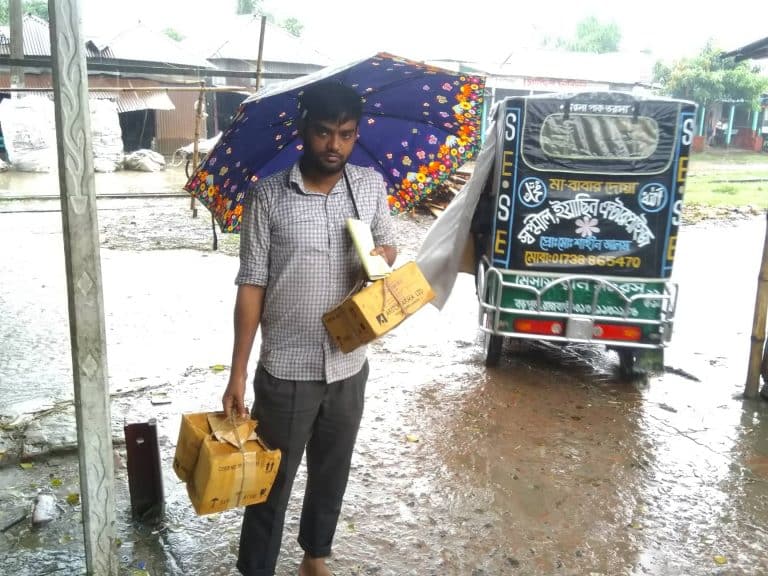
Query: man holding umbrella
column 297, row 261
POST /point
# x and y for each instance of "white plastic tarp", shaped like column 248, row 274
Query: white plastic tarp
column 106, row 135
column 29, row 131
column 440, row 254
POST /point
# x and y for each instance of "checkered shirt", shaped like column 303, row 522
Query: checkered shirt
column 295, row 243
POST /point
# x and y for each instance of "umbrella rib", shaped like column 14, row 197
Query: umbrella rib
column 407, row 119
column 370, row 154
column 277, row 152
column 391, row 85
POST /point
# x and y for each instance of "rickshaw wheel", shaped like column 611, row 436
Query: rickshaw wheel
column 493, row 346
column 627, row 359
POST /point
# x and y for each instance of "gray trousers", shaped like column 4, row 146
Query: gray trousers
column 324, row 418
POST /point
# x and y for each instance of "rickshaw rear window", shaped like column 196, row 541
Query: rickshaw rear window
column 599, row 137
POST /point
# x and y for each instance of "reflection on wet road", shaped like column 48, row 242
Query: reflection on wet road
column 549, row 464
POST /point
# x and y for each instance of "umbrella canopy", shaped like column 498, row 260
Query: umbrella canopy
column 420, row 123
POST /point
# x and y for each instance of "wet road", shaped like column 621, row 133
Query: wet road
column 549, row 464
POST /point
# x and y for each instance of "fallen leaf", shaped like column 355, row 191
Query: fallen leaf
column 412, row 438
column 26, row 465
column 218, row 368
column 56, row 482
column 73, row 499
column 160, row 398
column 719, row 559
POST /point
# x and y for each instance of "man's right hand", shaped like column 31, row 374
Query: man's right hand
column 233, row 400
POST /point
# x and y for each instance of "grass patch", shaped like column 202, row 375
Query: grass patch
column 732, row 156
column 725, row 190
column 728, row 178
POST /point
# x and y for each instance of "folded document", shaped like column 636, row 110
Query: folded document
column 375, row 266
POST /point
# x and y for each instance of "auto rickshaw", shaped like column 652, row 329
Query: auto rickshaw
column 576, row 227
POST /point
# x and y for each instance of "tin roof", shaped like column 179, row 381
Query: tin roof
column 37, row 39
column 611, row 67
column 103, row 87
column 137, row 44
column 754, row 51
column 142, row 44
column 239, row 40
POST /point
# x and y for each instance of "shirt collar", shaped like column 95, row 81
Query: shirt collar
column 295, row 177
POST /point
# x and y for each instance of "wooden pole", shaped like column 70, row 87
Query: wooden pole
column 260, row 61
column 16, row 21
column 756, row 360
column 196, row 144
column 84, row 288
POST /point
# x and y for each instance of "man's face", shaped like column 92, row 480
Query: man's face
column 328, row 144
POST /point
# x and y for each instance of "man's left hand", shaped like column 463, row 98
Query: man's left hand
column 388, row 252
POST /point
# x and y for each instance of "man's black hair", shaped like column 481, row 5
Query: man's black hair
column 330, row 101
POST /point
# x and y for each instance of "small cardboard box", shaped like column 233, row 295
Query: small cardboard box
column 225, row 465
column 378, row 308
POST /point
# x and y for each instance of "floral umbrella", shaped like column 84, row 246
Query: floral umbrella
column 419, row 125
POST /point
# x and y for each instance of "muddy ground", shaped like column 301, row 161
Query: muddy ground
column 548, row 464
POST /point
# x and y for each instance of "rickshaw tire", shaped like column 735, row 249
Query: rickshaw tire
column 627, row 359
column 493, row 346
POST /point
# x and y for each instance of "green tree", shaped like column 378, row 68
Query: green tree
column 36, row 7
column 592, row 36
column 173, row 34
column 293, row 26
column 708, row 78
column 248, row 6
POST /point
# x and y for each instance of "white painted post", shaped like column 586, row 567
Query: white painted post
column 83, row 266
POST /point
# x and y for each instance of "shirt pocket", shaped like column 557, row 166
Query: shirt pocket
column 301, row 228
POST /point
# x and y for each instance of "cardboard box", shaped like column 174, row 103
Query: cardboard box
column 225, row 465
column 378, row 308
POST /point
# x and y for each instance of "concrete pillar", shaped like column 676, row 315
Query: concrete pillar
column 83, row 267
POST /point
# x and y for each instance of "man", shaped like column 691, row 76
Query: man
column 297, row 261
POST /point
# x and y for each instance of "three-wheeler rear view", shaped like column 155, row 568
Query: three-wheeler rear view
column 576, row 228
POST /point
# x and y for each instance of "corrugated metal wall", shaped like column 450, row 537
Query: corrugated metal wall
column 176, row 128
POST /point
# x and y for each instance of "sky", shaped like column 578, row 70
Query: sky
column 479, row 30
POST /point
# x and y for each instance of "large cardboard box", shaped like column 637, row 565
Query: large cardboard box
column 378, row 308
column 225, row 464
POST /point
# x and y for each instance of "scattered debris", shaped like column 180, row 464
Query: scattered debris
column 144, row 161
column 443, row 194
column 160, row 398
column 44, row 509
column 15, row 522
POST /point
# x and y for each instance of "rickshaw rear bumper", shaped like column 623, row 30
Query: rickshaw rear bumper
column 614, row 311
